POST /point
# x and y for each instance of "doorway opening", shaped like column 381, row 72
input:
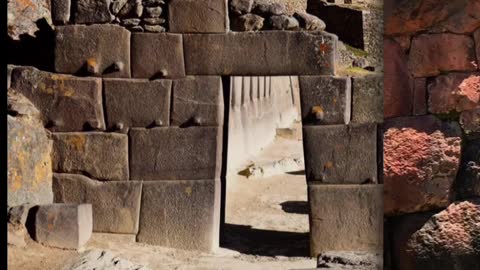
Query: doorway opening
column 265, row 207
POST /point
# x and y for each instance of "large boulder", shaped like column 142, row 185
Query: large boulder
column 421, row 160
column 29, row 148
column 23, row 16
column 447, row 240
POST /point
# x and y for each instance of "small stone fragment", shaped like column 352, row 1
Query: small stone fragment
column 61, row 11
column 17, row 215
column 266, row 9
column 154, row 28
column 117, row 5
column 247, row 22
column 310, row 22
column 284, row 22
column 131, row 22
column 153, row 12
column 154, row 21
column 241, row 6
column 92, row 11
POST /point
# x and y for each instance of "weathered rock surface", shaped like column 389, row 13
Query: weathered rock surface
column 197, row 152
column 284, row 22
column 359, row 210
column 192, row 16
column 247, row 22
column 157, row 55
column 16, row 235
column 102, row 260
column 92, row 11
column 270, row 53
column 447, row 240
column 367, row 99
column 67, row 226
column 341, row 154
column 350, row 260
column 137, row 103
column 241, row 6
column 454, row 92
column 430, row 55
column 102, row 156
column 190, row 214
column 96, row 50
column 421, row 160
column 24, row 15
column 18, row 215
column 309, row 22
column 470, row 121
column 431, row 15
column 325, row 100
column 476, row 37
column 468, row 180
column 61, row 11
column 29, row 148
column 267, row 8
column 197, row 101
column 420, row 96
column 398, row 82
column 115, row 204
column 66, row 103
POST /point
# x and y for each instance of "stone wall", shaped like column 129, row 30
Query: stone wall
column 136, row 105
column 431, row 136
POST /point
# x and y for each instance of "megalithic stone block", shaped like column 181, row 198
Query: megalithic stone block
column 260, row 53
column 192, row 16
column 341, row 154
column 96, row 50
column 66, row 103
column 157, row 55
column 325, row 100
column 175, row 153
column 181, row 214
column 345, row 218
column 66, row 226
column 102, row 156
column 115, row 204
column 137, row 103
column 367, row 99
column 198, row 101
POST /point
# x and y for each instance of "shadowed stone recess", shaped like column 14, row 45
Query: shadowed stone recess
column 181, row 214
column 175, row 153
column 137, row 103
column 96, row 50
column 269, row 53
column 66, row 103
column 341, row 154
column 115, row 204
column 102, row 156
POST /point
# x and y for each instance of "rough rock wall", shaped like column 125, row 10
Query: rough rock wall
column 432, row 135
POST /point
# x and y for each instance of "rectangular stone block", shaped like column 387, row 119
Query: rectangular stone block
column 137, row 103
column 102, row 156
column 325, row 100
column 67, row 226
column 66, row 103
column 116, row 205
column 175, row 153
column 193, row 16
column 260, row 53
column 96, row 50
column 198, row 101
column 157, row 55
column 345, row 218
column 93, row 11
column 181, row 214
column 61, row 11
column 433, row 54
column 367, row 99
column 341, row 154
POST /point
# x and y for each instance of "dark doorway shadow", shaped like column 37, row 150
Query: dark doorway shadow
column 251, row 241
column 295, row 207
column 302, row 172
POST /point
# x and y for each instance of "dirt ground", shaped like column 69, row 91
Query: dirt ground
column 266, row 228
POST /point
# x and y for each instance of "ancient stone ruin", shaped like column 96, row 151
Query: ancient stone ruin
column 137, row 106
